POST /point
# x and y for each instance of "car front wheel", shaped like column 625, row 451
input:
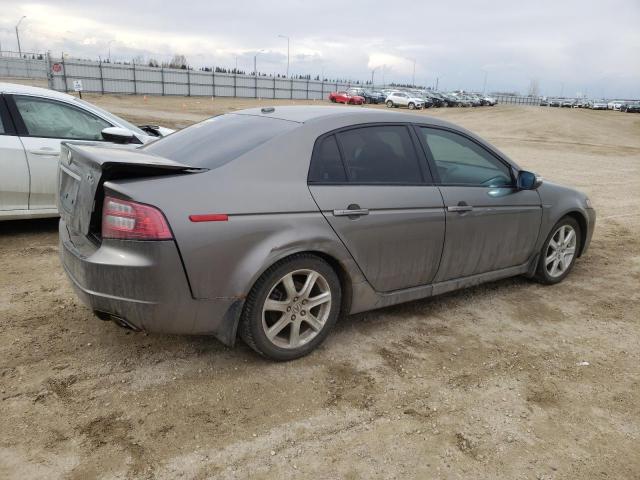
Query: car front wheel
column 559, row 252
column 412, row 106
column 291, row 308
column 389, row 104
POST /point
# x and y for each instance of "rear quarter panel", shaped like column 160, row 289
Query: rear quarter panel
column 271, row 215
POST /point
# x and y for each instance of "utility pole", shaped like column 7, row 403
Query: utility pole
column 372, row 72
column 255, row 59
column 288, row 51
column 413, row 77
column 437, row 80
column 18, row 34
column 109, row 47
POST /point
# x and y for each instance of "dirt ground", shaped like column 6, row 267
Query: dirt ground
column 486, row 383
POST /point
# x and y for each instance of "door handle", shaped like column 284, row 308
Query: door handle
column 352, row 210
column 50, row 152
column 460, row 208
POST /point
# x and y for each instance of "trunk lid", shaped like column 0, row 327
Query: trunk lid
column 83, row 169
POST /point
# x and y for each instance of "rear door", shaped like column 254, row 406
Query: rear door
column 14, row 172
column 376, row 192
column 42, row 124
column 490, row 223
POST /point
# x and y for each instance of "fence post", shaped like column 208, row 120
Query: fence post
column 274, row 88
column 49, row 72
column 213, row 81
column 64, row 72
column 235, row 81
column 291, row 89
column 135, row 82
column 101, row 78
column 322, row 89
column 256, row 85
column 188, row 82
column 162, row 79
column 307, row 89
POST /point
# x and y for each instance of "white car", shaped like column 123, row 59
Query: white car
column 599, row 105
column 403, row 99
column 33, row 122
column 615, row 104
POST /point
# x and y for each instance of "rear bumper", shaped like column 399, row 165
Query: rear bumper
column 144, row 284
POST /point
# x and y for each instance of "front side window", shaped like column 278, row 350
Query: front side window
column 460, row 161
column 380, row 154
column 52, row 119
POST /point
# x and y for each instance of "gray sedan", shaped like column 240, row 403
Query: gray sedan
column 269, row 224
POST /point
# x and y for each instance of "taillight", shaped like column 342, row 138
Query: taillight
column 124, row 219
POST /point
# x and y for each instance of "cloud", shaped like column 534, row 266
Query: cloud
column 581, row 45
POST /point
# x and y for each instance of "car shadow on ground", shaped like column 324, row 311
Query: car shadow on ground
column 371, row 323
column 28, row 227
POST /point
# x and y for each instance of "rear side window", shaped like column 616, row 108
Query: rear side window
column 218, row 140
column 380, row 154
column 326, row 164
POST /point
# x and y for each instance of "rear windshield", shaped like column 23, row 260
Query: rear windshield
column 218, row 140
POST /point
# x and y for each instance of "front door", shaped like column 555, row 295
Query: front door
column 42, row 125
column 490, row 224
column 377, row 195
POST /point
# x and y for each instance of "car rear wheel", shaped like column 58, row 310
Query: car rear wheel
column 291, row 308
column 412, row 105
column 559, row 252
column 389, row 104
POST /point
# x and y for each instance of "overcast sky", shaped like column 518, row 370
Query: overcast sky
column 567, row 46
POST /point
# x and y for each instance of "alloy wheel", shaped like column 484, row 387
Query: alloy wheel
column 560, row 251
column 296, row 309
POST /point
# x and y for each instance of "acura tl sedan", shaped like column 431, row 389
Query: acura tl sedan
column 33, row 123
column 269, row 224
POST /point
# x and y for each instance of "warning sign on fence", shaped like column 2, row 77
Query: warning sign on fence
column 56, row 67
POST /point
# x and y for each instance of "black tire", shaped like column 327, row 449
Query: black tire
column 412, row 106
column 389, row 104
column 251, row 328
column 541, row 274
column 333, row 100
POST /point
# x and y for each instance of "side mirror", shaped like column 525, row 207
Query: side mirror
column 528, row 180
column 119, row 135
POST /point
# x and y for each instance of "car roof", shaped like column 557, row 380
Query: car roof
column 309, row 113
column 17, row 89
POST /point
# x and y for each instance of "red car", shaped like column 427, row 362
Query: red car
column 346, row 98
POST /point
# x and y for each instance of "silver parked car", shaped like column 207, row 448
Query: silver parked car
column 404, row 99
column 271, row 223
column 33, row 122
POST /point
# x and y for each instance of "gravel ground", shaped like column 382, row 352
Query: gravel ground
column 507, row 380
